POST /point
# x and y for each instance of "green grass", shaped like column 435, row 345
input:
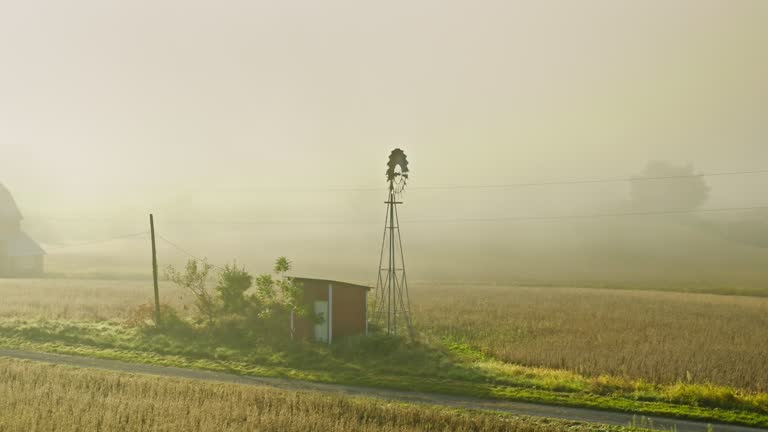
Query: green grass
column 431, row 365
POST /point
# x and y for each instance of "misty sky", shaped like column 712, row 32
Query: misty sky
column 113, row 108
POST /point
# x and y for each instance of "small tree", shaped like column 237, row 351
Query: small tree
column 194, row 279
column 290, row 292
column 276, row 297
column 282, row 266
column 232, row 285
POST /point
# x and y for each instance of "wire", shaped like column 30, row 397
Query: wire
column 475, row 220
column 518, row 185
column 591, row 216
column 237, row 223
column 185, row 252
column 88, row 243
column 570, row 182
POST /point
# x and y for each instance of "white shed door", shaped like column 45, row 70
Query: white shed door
column 321, row 330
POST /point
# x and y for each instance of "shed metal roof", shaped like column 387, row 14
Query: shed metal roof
column 315, row 280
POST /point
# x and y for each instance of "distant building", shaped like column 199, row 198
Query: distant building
column 343, row 306
column 19, row 254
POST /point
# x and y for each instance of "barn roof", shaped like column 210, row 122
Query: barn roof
column 21, row 245
column 8, row 209
column 328, row 281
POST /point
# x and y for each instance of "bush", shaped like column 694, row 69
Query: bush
column 233, row 283
column 143, row 317
column 233, row 313
column 195, row 280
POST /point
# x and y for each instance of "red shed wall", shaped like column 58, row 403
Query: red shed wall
column 348, row 309
column 313, row 291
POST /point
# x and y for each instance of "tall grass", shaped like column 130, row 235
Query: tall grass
column 75, row 299
column 654, row 336
column 44, row 397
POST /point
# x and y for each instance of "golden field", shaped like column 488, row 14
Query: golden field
column 660, row 337
column 36, row 396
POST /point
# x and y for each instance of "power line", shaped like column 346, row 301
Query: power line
column 88, row 243
column 501, row 186
column 591, row 216
column 240, row 223
column 477, row 220
column 578, row 182
column 184, row 251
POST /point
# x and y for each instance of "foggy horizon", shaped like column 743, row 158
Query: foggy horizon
column 397, row 216
column 254, row 113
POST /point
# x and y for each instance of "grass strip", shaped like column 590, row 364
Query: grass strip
column 430, row 385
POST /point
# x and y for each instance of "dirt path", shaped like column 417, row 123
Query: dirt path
column 567, row 413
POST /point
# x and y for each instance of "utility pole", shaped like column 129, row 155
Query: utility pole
column 154, row 270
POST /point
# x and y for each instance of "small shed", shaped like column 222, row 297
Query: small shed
column 343, row 306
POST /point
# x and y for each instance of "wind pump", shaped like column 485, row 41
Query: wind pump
column 392, row 309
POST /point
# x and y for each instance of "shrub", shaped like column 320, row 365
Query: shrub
column 195, row 280
column 143, row 316
column 233, row 283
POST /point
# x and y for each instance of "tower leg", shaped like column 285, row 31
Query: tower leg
column 393, row 301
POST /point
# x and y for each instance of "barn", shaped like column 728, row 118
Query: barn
column 19, row 254
column 343, row 306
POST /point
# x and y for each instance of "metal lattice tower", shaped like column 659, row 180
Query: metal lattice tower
column 392, row 308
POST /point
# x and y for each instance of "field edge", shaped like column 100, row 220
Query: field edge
column 440, row 387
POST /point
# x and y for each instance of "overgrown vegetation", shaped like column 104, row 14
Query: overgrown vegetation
column 232, row 312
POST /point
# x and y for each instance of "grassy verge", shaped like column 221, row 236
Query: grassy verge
column 438, row 366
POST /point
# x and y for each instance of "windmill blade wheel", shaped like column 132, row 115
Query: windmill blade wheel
column 397, row 178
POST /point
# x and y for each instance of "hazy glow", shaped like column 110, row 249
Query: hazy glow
column 205, row 111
